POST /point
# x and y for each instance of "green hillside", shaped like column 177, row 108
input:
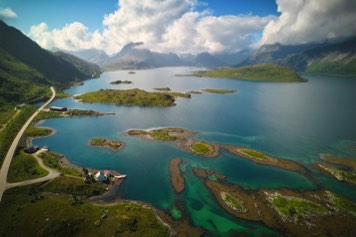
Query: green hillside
column 262, row 72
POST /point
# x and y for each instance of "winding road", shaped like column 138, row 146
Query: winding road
column 7, row 161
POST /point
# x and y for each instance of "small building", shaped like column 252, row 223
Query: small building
column 31, row 150
column 100, row 176
column 60, row 109
column 108, row 173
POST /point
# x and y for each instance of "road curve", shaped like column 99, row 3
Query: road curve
column 7, row 161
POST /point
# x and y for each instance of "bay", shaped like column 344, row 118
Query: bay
column 295, row 121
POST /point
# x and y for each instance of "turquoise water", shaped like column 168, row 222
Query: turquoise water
column 295, row 121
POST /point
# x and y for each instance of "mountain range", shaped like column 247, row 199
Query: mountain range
column 27, row 70
column 133, row 56
column 324, row 58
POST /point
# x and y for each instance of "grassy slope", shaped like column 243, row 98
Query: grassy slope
column 333, row 68
column 263, row 72
column 24, row 167
column 131, row 97
column 29, row 211
column 8, row 134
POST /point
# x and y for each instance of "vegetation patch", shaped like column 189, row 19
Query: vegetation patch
column 294, row 209
column 53, row 160
column 341, row 204
column 131, row 97
column 263, row 72
column 218, row 91
column 163, row 89
column 120, row 82
column 106, row 143
column 35, row 211
column 255, row 154
column 37, row 132
column 202, row 148
column 8, row 133
column 233, row 202
column 338, row 174
column 163, row 135
column 24, row 167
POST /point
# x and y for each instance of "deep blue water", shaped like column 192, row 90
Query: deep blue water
column 295, row 121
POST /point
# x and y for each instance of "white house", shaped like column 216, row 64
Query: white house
column 100, row 176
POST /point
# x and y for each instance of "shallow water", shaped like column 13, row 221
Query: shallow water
column 295, row 121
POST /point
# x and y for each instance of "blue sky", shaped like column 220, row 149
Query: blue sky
column 57, row 13
column 180, row 26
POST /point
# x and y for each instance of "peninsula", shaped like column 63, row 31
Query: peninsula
column 260, row 72
column 130, row 97
column 106, row 143
column 218, row 91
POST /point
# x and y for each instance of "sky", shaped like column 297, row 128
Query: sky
column 180, row 26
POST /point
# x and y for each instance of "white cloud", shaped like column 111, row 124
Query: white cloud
column 305, row 21
column 170, row 25
column 7, row 13
column 74, row 36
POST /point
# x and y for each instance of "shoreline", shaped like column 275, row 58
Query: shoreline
column 265, row 205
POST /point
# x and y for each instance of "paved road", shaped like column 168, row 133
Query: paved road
column 7, row 161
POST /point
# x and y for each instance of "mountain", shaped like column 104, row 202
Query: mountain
column 206, row 60
column 27, row 70
column 98, row 57
column 131, row 56
column 326, row 58
column 231, row 59
column 80, row 64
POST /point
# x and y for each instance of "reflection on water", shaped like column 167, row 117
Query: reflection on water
column 296, row 121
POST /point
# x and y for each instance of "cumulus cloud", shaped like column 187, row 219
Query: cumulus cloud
column 306, row 21
column 74, row 36
column 7, row 13
column 163, row 26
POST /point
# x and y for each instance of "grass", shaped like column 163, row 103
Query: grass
column 333, row 68
column 8, row 134
column 218, row 91
column 255, row 154
column 131, row 97
column 179, row 94
column 74, row 186
column 37, row 132
column 201, row 148
column 164, row 136
column 32, row 211
column 6, row 115
column 24, row 167
column 294, row 208
column 234, row 203
column 51, row 160
column 105, row 142
column 263, row 72
column 341, row 203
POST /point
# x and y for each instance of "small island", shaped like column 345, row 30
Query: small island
column 262, row 72
column 262, row 158
column 120, row 82
column 180, row 138
column 218, row 91
column 341, row 175
column 163, row 89
column 177, row 179
column 106, row 143
column 130, row 97
column 295, row 213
